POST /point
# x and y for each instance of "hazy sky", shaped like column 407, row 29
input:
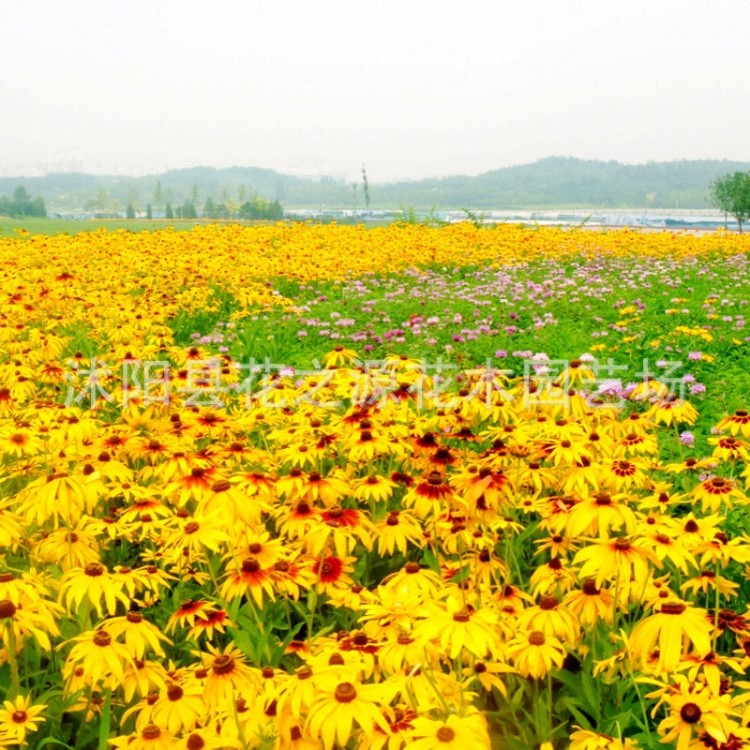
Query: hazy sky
column 410, row 88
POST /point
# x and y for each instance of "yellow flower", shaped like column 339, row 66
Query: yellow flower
column 20, row 718
column 101, row 657
column 717, row 490
column 94, row 584
column 340, row 704
column 583, row 739
column 738, row 423
column 551, row 618
column 674, row 627
column 617, row 561
column 339, row 357
column 179, row 707
column 150, row 737
column 534, row 654
column 28, row 616
column 397, row 531
column 454, row 733
column 600, row 514
column 591, row 604
column 694, row 710
column 140, row 635
column 455, row 627
column 226, row 677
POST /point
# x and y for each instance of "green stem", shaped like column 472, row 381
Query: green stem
column 644, row 713
column 717, row 583
column 13, row 660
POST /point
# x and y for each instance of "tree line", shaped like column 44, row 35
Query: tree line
column 730, row 193
column 258, row 208
column 22, row 204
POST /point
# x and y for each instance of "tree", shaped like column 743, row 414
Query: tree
column 130, row 211
column 366, row 187
column 188, row 210
column 158, row 194
column 168, row 212
column 731, row 194
column 22, row 204
column 260, row 208
column 149, row 212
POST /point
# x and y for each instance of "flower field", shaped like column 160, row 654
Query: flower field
column 409, row 487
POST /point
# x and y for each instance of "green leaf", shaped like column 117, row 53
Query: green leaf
column 53, row 741
column 105, row 721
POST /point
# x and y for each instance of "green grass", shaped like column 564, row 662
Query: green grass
column 8, row 226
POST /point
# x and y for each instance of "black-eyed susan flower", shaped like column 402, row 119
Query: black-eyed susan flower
column 142, row 677
column 340, row 704
column 179, row 707
column 226, row 677
column 585, row 739
column 374, row 487
column 737, row 424
column 19, row 718
column 414, row 580
column 246, row 577
column 138, row 634
column 716, row 492
column 674, row 627
column 453, row 733
column 599, row 515
column 70, row 548
column 397, row 531
column 591, row 604
column 92, row 584
column 693, row 711
column 625, row 565
column 339, row 356
column 672, row 410
column 455, row 627
column 101, row 657
column 332, row 572
column 150, row 737
column 534, row 654
column 552, row 618
column 487, row 674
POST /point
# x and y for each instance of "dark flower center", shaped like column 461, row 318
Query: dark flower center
column 195, row 742
column 691, row 713
column 223, row 664
column 445, row 734
column 345, row 692
column 536, row 638
column 102, row 638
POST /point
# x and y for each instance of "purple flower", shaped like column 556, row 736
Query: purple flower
column 695, row 356
column 611, row 387
column 687, row 438
column 697, row 388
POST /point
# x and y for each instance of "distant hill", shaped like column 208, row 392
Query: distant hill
column 552, row 182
